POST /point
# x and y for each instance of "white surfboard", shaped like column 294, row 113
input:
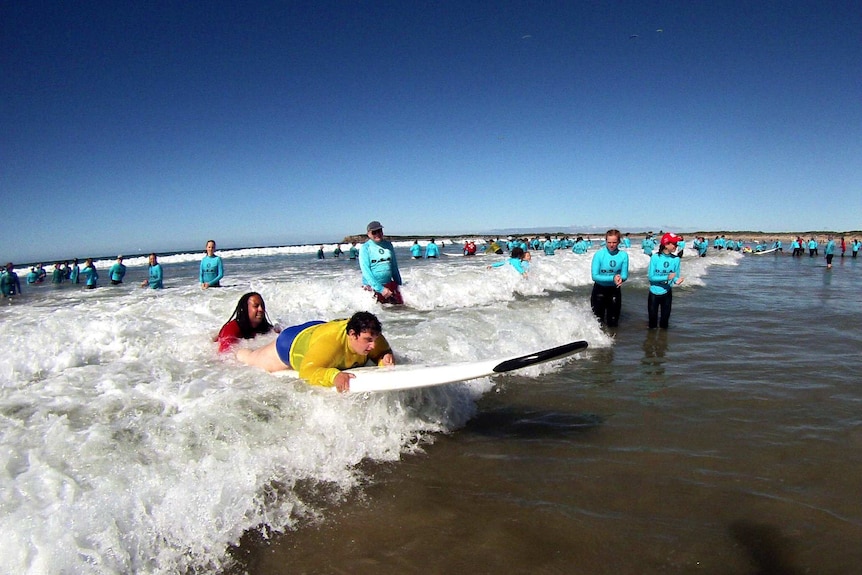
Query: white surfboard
column 411, row 376
column 764, row 252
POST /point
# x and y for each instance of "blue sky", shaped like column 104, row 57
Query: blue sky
column 149, row 126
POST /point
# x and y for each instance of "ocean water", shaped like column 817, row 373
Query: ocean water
column 730, row 443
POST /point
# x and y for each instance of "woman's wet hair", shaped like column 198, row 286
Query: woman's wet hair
column 240, row 314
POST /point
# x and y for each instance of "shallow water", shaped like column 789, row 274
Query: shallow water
column 730, row 443
column 727, row 444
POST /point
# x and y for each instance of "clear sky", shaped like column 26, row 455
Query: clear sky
column 151, row 126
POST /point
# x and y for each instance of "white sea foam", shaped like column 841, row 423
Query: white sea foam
column 129, row 446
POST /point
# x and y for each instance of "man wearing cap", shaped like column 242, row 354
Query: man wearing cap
column 379, row 266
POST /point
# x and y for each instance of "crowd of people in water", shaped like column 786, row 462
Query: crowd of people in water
column 211, row 272
column 321, row 350
column 73, row 273
column 380, row 273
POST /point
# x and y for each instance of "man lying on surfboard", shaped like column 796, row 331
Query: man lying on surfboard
column 319, row 351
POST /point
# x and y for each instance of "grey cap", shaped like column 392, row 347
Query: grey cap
column 375, row 225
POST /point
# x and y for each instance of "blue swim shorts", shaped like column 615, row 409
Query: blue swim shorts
column 286, row 337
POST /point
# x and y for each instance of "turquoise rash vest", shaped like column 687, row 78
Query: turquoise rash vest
column 154, row 278
column 660, row 267
column 607, row 265
column 378, row 264
column 212, row 270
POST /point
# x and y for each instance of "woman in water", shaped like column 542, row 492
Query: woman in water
column 90, row 274
column 248, row 320
column 212, row 269
column 154, row 274
column 663, row 275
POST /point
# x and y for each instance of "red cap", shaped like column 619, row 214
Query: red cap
column 670, row 238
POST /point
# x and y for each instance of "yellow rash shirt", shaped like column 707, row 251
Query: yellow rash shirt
column 321, row 351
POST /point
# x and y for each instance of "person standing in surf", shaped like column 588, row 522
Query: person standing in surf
column 90, row 274
column 829, row 251
column 663, row 274
column 117, row 272
column 74, row 272
column 648, row 244
column 610, row 268
column 10, row 284
column 154, row 273
column 812, row 248
column 212, row 269
column 431, row 250
column 319, row 351
column 379, row 266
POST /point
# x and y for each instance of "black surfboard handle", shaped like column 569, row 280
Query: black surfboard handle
column 540, row 356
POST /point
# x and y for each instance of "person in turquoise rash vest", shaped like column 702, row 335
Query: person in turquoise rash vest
column 812, row 248
column 379, row 266
column 518, row 259
column 704, row 246
column 75, row 272
column 90, row 274
column 212, row 269
column 855, row 246
column 117, row 272
column 580, row 246
column 57, row 274
column 663, row 274
column 548, row 246
column 796, row 246
column 648, row 245
column 416, row 250
column 829, row 251
column 431, row 250
column 610, row 268
column 10, row 284
column 626, row 242
column 353, row 252
column 154, row 274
